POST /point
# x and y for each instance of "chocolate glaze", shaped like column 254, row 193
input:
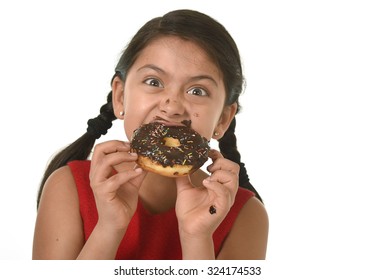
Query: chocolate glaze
column 148, row 141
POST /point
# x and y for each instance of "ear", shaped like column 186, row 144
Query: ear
column 225, row 119
column 118, row 97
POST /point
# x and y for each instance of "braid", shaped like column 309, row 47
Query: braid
column 81, row 148
column 100, row 125
column 228, row 147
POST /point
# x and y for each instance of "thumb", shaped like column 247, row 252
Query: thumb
column 137, row 181
column 183, row 183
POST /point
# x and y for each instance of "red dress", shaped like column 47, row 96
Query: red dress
column 149, row 236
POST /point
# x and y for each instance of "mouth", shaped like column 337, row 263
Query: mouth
column 171, row 123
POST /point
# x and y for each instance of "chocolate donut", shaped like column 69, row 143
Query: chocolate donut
column 169, row 150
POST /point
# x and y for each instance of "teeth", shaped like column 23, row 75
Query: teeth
column 158, row 119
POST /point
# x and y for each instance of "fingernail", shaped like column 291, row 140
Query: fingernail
column 207, row 180
column 138, row 170
column 133, row 154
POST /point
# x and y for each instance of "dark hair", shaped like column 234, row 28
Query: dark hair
column 189, row 25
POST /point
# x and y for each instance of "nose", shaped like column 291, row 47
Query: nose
column 172, row 105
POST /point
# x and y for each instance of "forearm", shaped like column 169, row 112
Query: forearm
column 197, row 247
column 102, row 244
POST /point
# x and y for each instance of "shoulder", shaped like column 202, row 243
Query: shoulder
column 60, row 182
column 58, row 226
column 249, row 234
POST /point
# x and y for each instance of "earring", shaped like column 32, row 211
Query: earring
column 216, row 133
column 122, row 113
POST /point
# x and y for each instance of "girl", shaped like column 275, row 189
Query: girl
column 182, row 66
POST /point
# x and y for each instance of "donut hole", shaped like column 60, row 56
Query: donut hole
column 171, row 142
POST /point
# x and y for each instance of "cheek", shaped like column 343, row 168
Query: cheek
column 204, row 123
column 132, row 120
column 132, row 117
column 137, row 109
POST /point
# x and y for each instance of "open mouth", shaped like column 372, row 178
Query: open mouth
column 171, row 123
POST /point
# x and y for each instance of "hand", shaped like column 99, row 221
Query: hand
column 219, row 190
column 116, row 194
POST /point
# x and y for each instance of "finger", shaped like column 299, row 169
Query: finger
column 103, row 168
column 105, row 156
column 219, row 162
column 223, row 197
column 137, row 181
column 224, row 164
column 112, row 184
column 214, row 154
column 225, row 179
column 109, row 147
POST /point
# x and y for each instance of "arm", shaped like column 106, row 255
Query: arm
column 197, row 247
column 196, row 223
column 58, row 229
column 248, row 237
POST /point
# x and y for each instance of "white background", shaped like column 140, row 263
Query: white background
column 306, row 132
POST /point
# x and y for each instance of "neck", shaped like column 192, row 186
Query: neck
column 158, row 193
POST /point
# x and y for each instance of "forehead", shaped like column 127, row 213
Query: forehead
column 176, row 50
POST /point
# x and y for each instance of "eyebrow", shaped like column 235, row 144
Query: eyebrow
column 153, row 67
column 192, row 79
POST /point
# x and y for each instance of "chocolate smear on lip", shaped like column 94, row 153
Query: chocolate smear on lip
column 187, row 123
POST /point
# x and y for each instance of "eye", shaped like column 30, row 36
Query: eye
column 197, row 91
column 153, row 82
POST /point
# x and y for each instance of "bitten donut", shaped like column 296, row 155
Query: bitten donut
column 171, row 151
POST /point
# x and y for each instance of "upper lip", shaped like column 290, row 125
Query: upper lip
column 167, row 122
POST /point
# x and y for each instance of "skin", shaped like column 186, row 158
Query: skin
column 172, row 80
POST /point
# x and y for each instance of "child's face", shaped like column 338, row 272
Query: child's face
column 174, row 80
